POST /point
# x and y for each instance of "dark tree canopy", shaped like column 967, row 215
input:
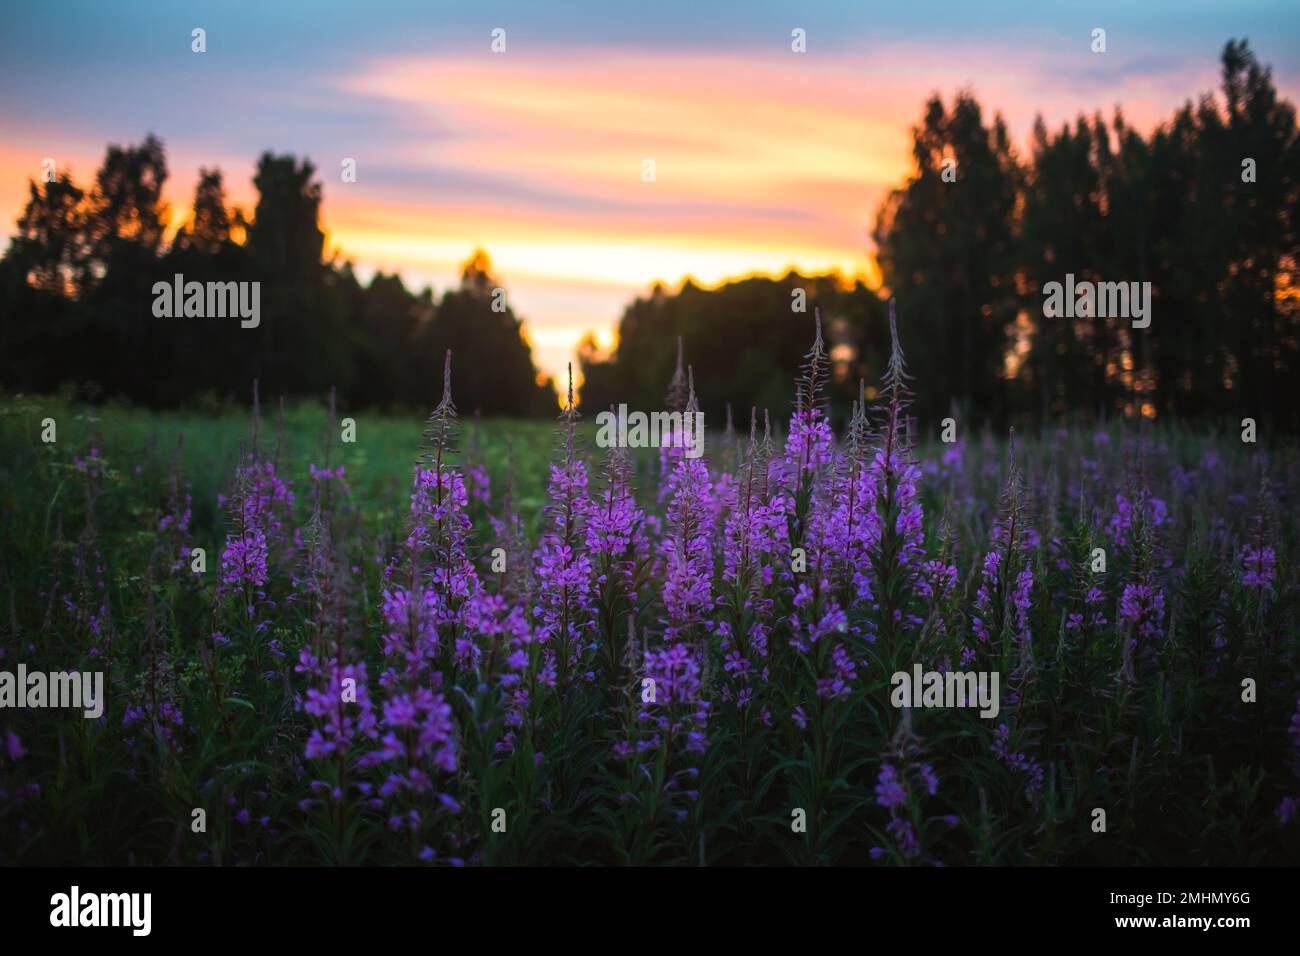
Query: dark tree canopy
column 1204, row 208
column 76, row 302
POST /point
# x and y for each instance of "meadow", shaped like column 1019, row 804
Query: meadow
column 458, row 642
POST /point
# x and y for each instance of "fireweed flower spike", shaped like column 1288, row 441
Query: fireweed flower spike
column 687, row 593
column 563, row 567
column 852, row 529
column 243, row 563
column 1006, row 580
column 338, row 696
column 816, row 652
column 905, row 781
column 808, row 447
column 425, row 628
column 675, row 398
column 241, row 592
column 1022, row 764
column 411, row 602
column 613, row 530
column 1142, row 603
column 1258, row 558
column 743, row 622
column 937, row 582
column 443, row 530
column 898, row 546
column 1088, row 613
column 672, row 734
column 755, row 526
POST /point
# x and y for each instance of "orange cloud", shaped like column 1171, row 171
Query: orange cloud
column 762, row 162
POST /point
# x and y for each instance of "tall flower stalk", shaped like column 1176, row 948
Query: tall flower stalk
column 898, row 540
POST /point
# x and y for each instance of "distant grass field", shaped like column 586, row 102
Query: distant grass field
column 378, row 463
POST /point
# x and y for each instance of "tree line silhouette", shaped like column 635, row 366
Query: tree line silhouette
column 76, row 302
column 1204, row 208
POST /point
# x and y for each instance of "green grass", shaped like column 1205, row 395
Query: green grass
column 378, row 462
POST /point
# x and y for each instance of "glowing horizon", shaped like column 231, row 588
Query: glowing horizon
column 765, row 160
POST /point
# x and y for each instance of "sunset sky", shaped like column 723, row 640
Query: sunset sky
column 765, row 159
